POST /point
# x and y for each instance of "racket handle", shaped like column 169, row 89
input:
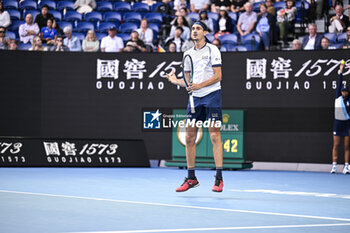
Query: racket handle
column 192, row 104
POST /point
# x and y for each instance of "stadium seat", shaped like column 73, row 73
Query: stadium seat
column 140, row 7
column 15, row 25
column 28, row 5
column 256, row 6
column 210, row 37
column 10, row 4
column 69, row 6
column 10, row 35
column 57, row 15
column 213, row 15
column 81, row 36
column 128, row 27
column 104, row 6
column 301, row 4
column 100, row 36
column 155, row 6
column 24, row 46
column 132, row 17
column 93, row 16
column 14, row 14
column 279, row 5
column 64, row 24
column 84, row 27
column 122, row 7
column 193, row 15
column 49, row 3
column 112, row 17
column 341, row 38
column 33, row 12
column 125, row 36
column 103, row 28
column 239, row 48
column 73, row 16
column 155, row 29
column 332, row 37
column 154, row 18
column 229, row 39
column 233, row 16
column 251, row 41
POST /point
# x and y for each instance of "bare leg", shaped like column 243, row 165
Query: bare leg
column 346, row 148
column 215, row 136
column 191, row 134
column 336, row 145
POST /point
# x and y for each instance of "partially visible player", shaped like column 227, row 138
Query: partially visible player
column 206, row 90
column 341, row 122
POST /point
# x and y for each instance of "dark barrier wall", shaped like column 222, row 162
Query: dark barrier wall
column 288, row 98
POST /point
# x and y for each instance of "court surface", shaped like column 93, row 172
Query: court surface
column 52, row 200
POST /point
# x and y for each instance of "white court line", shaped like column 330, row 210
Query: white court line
column 221, row 228
column 178, row 206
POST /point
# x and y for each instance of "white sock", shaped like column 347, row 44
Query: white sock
column 334, row 163
column 346, row 164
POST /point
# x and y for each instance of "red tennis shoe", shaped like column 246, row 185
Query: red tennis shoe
column 218, row 186
column 187, row 184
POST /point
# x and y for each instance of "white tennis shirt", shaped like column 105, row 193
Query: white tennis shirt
column 204, row 60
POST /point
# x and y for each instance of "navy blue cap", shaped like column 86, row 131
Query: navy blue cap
column 112, row 28
column 345, row 88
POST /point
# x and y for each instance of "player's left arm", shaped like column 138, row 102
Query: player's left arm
column 214, row 79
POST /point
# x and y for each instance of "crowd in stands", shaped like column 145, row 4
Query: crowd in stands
column 165, row 25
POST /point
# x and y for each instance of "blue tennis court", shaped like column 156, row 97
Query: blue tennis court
column 52, row 200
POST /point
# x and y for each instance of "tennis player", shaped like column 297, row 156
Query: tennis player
column 206, row 91
column 341, row 122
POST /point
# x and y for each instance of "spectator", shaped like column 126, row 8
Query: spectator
column 48, row 34
column 146, row 35
column 203, row 16
column 238, row 5
column 187, row 45
column 84, row 6
column 325, row 44
column 91, row 43
column 285, row 19
column 265, row 26
column 180, row 4
column 166, row 10
column 216, row 4
column 37, row 44
column 177, row 39
column 59, row 46
column 12, row 44
column 112, row 43
column 313, row 41
column 41, row 19
column 198, row 5
column 247, row 20
column 270, row 8
column 3, row 38
column 224, row 23
column 172, row 47
column 217, row 43
column 135, row 44
column 346, row 44
column 72, row 42
column 339, row 22
column 296, row 44
column 28, row 30
column 5, row 19
column 183, row 12
column 181, row 22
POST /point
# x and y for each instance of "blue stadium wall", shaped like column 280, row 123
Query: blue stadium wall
column 288, row 98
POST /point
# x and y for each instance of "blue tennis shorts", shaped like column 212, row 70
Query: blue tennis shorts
column 207, row 107
column 341, row 128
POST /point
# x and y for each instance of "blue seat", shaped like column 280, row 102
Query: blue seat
column 10, row 4
column 24, row 46
column 15, row 25
column 210, row 37
column 103, row 28
column 229, row 39
column 72, row 16
column 332, row 37
column 251, row 41
column 140, row 7
column 64, row 24
column 122, row 7
column 227, row 47
column 100, row 36
column 240, row 48
column 84, row 27
column 33, row 12
column 93, row 16
column 125, row 36
column 155, row 29
column 10, row 35
column 341, row 38
column 112, row 17
column 14, row 14
column 69, row 6
column 132, row 17
column 104, row 6
column 213, row 15
column 233, row 16
column 80, row 35
column 57, row 15
column 49, row 3
column 301, row 4
column 193, row 15
column 256, row 6
column 154, row 18
column 279, row 5
column 28, row 5
column 128, row 27
column 155, row 6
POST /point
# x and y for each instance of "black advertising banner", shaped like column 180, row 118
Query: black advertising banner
column 288, row 98
column 31, row 152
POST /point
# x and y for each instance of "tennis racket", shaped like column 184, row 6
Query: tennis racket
column 187, row 73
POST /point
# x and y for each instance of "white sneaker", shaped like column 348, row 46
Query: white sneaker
column 346, row 170
column 334, row 169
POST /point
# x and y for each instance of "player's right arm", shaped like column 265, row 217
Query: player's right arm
column 174, row 80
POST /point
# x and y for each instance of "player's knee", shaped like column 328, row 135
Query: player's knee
column 215, row 138
column 190, row 139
